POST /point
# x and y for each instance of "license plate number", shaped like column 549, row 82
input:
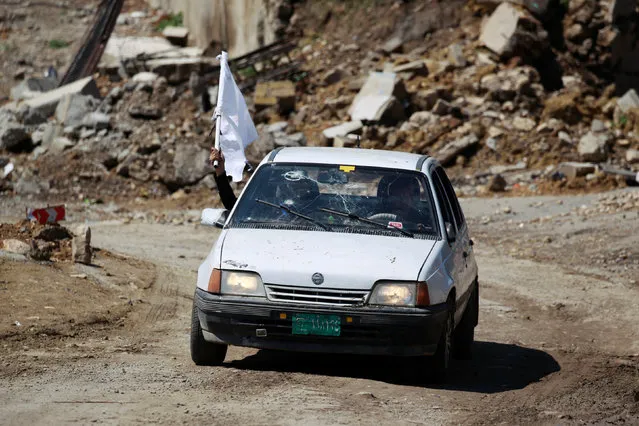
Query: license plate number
column 319, row 325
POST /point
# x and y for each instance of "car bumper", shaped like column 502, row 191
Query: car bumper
column 373, row 331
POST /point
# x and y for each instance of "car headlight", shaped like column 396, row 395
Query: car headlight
column 400, row 294
column 242, row 284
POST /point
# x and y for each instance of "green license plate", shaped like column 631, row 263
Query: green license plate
column 319, row 325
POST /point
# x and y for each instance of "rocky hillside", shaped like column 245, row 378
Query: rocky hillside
column 518, row 96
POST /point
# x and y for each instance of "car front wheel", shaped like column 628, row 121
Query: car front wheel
column 203, row 352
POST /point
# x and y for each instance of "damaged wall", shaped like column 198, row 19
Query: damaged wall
column 241, row 26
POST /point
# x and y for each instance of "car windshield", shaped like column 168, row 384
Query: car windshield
column 334, row 198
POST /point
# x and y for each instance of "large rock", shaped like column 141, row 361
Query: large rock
column 379, row 99
column 592, row 147
column 47, row 103
column 511, row 31
column 628, row 101
column 33, row 87
column 81, row 245
column 73, row 109
column 342, row 130
column 191, row 164
column 450, row 152
column 16, row 246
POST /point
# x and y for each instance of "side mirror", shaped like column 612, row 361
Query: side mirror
column 214, row 217
column 450, row 232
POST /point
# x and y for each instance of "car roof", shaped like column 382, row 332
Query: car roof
column 348, row 157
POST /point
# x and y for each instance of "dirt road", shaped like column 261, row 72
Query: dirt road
column 558, row 341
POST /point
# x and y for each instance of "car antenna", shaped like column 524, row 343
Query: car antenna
column 358, row 141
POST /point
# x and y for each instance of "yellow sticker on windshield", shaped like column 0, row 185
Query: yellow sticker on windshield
column 347, row 169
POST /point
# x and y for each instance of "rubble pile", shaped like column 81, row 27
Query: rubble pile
column 508, row 95
column 50, row 242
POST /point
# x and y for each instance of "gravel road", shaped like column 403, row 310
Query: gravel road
column 558, row 341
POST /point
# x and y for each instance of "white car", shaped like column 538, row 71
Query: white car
column 340, row 250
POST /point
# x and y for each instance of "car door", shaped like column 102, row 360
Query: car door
column 454, row 262
column 469, row 269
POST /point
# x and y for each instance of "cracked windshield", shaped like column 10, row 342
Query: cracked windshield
column 338, row 199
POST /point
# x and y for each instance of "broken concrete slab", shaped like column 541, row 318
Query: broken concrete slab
column 503, row 31
column 450, row 152
column 573, row 169
column 33, row 87
column 279, row 94
column 178, row 36
column 47, row 103
column 72, row 109
column 628, row 101
column 342, row 130
column 379, row 94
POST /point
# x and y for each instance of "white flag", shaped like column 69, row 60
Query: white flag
column 237, row 130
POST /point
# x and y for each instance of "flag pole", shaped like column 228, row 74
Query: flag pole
column 218, row 107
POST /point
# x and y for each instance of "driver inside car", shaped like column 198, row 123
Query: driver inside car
column 403, row 200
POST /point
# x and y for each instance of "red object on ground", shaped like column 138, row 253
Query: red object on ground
column 48, row 215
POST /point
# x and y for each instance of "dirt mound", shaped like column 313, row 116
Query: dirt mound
column 41, row 242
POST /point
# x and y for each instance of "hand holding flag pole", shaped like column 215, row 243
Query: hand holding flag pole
column 234, row 128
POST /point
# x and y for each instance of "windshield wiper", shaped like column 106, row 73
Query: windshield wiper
column 294, row 213
column 372, row 222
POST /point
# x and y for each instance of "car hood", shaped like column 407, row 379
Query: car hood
column 347, row 261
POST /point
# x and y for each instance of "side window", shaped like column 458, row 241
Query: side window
column 442, row 200
column 454, row 202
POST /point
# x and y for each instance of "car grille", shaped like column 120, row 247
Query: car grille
column 314, row 296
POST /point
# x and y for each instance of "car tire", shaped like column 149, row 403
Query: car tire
column 203, row 352
column 440, row 361
column 464, row 335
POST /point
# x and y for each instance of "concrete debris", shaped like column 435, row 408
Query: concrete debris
column 16, row 246
column 81, row 245
column 60, row 144
column 592, row 147
column 456, row 55
column 632, row 156
column 524, row 124
column 378, row 99
column 278, row 94
column 73, row 109
column 145, row 77
column 628, row 101
column 33, row 87
column 573, row 170
column 342, row 130
column 178, row 36
column 450, row 152
column 510, row 30
column 47, row 103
